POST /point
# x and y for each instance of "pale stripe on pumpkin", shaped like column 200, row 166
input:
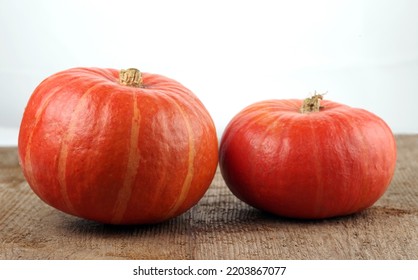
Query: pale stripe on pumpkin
column 41, row 109
column 125, row 192
column 67, row 138
column 190, row 169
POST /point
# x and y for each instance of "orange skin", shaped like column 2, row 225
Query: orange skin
column 94, row 148
column 334, row 162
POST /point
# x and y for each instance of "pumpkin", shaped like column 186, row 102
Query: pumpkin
column 117, row 147
column 307, row 159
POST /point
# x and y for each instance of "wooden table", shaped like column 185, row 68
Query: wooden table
column 219, row 227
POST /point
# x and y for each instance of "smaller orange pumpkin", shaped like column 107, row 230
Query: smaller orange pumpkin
column 306, row 159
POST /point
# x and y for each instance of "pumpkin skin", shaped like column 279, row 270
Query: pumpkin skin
column 334, row 162
column 113, row 153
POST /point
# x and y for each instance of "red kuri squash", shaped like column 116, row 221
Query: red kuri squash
column 117, row 147
column 304, row 159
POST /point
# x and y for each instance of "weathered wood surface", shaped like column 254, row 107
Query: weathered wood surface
column 219, row 227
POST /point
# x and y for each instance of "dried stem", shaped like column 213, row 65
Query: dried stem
column 312, row 104
column 130, row 77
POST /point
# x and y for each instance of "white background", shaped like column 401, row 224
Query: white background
column 229, row 53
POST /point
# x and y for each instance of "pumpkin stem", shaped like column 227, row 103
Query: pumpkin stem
column 312, row 104
column 130, row 77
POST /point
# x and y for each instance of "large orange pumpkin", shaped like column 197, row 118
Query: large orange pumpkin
column 117, row 147
column 306, row 159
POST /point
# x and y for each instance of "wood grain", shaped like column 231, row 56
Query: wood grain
column 218, row 227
